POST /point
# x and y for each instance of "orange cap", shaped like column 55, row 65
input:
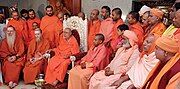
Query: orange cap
column 168, row 44
column 157, row 12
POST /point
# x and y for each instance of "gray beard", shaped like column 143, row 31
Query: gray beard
column 11, row 40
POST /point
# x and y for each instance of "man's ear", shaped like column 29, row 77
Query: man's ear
column 119, row 16
column 101, row 41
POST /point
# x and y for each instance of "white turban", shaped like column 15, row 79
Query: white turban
column 144, row 9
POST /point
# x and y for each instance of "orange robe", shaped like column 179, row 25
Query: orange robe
column 121, row 63
column 106, row 29
column 50, row 27
column 161, row 78
column 94, row 27
column 137, row 28
column 79, row 78
column 11, row 70
column 57, row 65
column 115, row 37
column 21, row 28
column 32, row 70
column 177, row 36
column 174, row 83
column 114, row 29
column 158, row 29
column 29, row 23
column 177, row 32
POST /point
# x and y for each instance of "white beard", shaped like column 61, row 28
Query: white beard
column 11, row 40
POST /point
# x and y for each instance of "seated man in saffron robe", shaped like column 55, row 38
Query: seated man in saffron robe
column 79, row 75
column 166, row 72
column 136, row 76
column 122, row 62
column 58, row 64
column 12, row 55
column 35, row 63
column 35, row 25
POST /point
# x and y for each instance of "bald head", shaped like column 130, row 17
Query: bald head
column 94, row 14
column 67, row 33
column 81, row 15
column 67, row 29
column 176, row 20
column 148, row 42
column 99, row 39
column 117, row 11
column 60, row 15
column 116, row 14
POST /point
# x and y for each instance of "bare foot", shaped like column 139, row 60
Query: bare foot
column 14, row 85
column 10, row 84
column 55, row 82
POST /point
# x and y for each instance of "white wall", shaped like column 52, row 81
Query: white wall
column 9, row 3
column 37, row 5
column 125, row 5
column 87, row 5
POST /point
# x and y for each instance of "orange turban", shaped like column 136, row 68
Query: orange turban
column 131, row 36
column 157, row 12
column 168, row 44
